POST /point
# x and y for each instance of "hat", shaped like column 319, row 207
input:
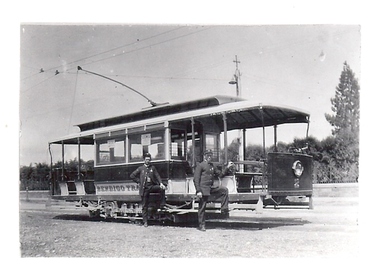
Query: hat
column 207, row 152
column 147, row 155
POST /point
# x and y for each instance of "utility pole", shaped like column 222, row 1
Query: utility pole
column 236, row 77
column 241, row 133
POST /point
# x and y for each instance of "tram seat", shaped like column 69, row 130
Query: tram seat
column 246, row 181
column 80, row 190
column 67, row 188
column 229, row 182
column 89, row 186
column 178, row 186
column 71, row 187
column 63, row 189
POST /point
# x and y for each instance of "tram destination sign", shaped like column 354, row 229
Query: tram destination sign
column 119, row 188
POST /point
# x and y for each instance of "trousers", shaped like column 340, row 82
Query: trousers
column 145, row 199
column 215, row 193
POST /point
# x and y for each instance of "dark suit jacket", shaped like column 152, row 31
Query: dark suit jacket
column 204, row 177
column 140, row 176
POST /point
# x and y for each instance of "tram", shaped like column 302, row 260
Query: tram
column 176, row 135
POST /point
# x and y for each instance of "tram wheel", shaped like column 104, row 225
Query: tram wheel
column 111, row 209
column 94, row 213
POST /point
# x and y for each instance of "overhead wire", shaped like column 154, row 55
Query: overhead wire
column 145, row 47
column 41, row 82
column 271, row 49
column 113, row 49
column 158, row 77
column 33, row 74
column 36, row 114
column 94, row 55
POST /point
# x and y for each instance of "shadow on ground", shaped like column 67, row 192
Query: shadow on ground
column 232, row 223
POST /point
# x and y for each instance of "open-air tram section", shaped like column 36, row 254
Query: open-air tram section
column 176, row 135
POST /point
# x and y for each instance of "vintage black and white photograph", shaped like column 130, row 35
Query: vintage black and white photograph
column 201, row 141
column 237, row 136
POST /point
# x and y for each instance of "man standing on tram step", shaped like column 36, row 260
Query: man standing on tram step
column 149, row 181
column 203, row 180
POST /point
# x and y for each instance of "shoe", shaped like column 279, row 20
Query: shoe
column 225, row 211
column 145, row 224
column 202, row 228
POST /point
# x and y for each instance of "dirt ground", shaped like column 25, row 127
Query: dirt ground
column 330, row 230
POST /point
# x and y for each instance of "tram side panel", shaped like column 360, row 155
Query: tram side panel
column 113, row 184
column 115, row 180
column 289, row 174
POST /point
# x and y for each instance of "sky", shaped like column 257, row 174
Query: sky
column 293, row 65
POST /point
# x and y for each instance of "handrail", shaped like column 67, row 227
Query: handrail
column 250, row 162
column 249, row 173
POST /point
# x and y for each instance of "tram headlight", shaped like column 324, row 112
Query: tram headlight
column 297, row 168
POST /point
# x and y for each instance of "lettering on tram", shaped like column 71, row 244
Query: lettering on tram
column 176, row 136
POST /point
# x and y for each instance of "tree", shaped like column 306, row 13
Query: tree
column 255, row 152
column 34, row 177
column 37, row 176
column 233, row 150
column 345, row 123
column 345, row 104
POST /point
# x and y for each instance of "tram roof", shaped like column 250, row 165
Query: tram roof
column 240, row 114
column 244, row 113
column 161, row 110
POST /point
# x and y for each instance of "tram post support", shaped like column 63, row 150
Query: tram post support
column 311, row 204
column 260, row 205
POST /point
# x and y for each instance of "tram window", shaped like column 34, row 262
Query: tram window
column 177, row 148
column 152, row 142
column 197, row 149
column 212, row 144
column 110, row 151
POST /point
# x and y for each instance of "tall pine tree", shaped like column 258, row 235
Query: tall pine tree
column 345, row 123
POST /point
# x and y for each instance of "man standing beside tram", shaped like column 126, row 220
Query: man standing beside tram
column 149, row 181
column 203, row 180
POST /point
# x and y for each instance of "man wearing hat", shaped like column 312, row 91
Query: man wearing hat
column 149, row 181
column 203, row 180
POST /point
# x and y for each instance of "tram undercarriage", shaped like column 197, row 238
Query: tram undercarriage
column 178, row 208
